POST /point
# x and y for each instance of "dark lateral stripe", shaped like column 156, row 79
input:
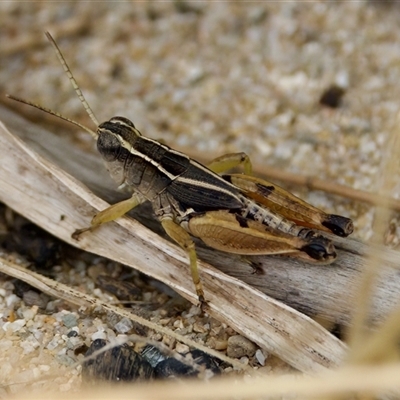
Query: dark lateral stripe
column 168, row 162
column 192, row 183
column 201, row 173
column 128, row 146
column 175, row 163
column 200, row 187
column 131, row 140
column 172, row 161
column 197, row 194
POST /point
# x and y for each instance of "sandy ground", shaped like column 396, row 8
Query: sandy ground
column 220, row 77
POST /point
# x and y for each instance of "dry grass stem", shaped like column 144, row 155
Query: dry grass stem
column 359, row 329
column 61, row 291
column 343, row 382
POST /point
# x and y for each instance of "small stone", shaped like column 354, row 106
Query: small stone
column 72, row 333
column 100, row 334
column 65, row 360
column 221, row 344
column 29, row 345
column 244, row 360
column 14, row 326
column 124, row 326
column 30, row 313
column 69, row 320
column 178, row 324
column 44, row 367
column 260, row 357
column 11, row 299
column 332, row 96
column 169, row 341
column 239, row 346
column 54, row 342
column 33, row 298
column 182, row 348
column 199, row 328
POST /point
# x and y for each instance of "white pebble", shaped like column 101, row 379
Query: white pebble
column 124, row 326
column 11, row 299
column 53, row 343
column 342, row 79
column 262, row 145
column 244, row 360
column 100, row 334
column 182, row 348
column 44, row 367
column 260, row 357
column 30, row 313
column 14, row 326
column 29, row 345
column 65, row 387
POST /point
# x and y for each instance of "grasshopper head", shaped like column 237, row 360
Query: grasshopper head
column 115, row 135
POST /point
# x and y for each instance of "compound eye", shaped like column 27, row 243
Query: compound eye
column 108, row 145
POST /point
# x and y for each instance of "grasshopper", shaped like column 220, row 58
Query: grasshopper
column 235, row 213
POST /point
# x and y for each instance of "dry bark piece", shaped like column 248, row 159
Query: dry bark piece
column 325, row 292
column 279, row 329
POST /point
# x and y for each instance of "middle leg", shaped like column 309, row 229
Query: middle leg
column 229, row 161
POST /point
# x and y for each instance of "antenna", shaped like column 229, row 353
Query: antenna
column 55, row 113
column 78, row 91
column 72, row 79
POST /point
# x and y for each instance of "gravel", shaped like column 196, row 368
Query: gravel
column 213, row 77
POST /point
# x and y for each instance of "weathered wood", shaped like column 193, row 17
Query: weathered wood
column 324, row 291
column 57, row 202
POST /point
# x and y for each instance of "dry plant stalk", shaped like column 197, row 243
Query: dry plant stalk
column 343, row 383
column 382, row 345
column 28, row 179
column 326, row 292
column 61, row 291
